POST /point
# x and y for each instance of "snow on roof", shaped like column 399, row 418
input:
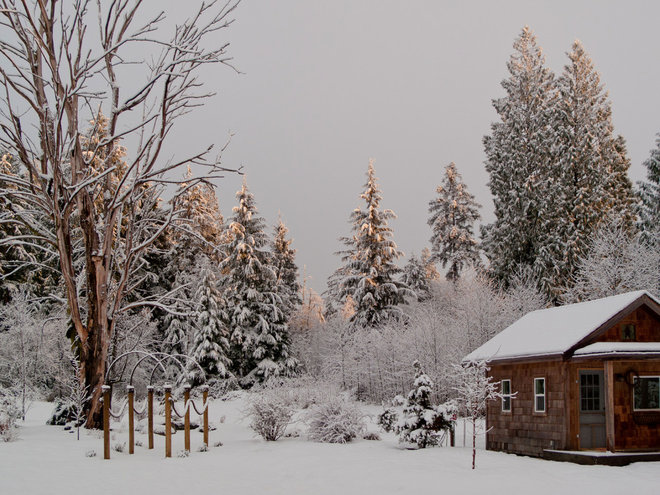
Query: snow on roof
column 549, row 332
column 619, row 348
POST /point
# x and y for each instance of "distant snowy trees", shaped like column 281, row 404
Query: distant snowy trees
column 369, row 275
column 649, row 191
column 617, row 260
column 556, row 168
column 452, row 218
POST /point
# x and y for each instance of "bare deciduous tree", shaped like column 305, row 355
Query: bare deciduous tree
column 57, row 76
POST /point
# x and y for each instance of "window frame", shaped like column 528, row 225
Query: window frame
column 536, row 396
column 657, row 377
column 505, row 397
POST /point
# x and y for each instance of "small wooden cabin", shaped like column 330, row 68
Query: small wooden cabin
column 584, row 376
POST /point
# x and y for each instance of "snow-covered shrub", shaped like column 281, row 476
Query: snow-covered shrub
column 421, row 422
column 90, row 453
column 203, row 448
column 271, row 413
column 183, row 453
column 337, row 420
column 119, row 447
column 372, row 435
column 62, row 414
column 10, row 412
column 388, row 419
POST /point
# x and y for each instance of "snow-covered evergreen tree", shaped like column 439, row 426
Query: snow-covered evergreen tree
column 254, row 308
column 420, row 421
column 649, row 191
column 591, row 181
column 518, row 160
column 452, row 217
column 286, row 270
column 210, row 347
column 369, row 271
column 415, row 276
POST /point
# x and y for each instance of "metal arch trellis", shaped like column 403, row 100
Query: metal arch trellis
column 159, row 359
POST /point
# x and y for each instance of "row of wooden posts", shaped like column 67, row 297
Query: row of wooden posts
column 169, row 409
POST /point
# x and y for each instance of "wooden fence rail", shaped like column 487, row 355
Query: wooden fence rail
column 148, row 408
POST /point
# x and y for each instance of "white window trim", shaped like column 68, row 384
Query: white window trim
column 633, row 391
column 506, row 396
column 545, row 403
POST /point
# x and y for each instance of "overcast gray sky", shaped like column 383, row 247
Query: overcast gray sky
column 328, row 85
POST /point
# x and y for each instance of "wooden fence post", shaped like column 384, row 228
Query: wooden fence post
column 131, row 419
column 106, row 421
column 205, row 398
column 186, row 415
column 168, row 420
column 150, row 409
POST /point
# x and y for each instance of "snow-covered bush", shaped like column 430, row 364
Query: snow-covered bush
column 388, row 419
column 10, row 412
column 271, row 413
column 337, row 420
column 421, row 422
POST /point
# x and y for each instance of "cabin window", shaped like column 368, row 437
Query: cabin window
column 646, row 393
column 628, row 332
column 506, row 395
column 539, row 394
column 590, row 388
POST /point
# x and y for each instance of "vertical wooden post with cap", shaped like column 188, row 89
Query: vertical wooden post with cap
column 106, row 421
column 205, row 399
column 150, row 412
column 186, row 415
column 130, row 390
column 168, row 420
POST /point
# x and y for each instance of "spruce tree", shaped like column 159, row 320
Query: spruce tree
column 452, row 217
column 254, row 309
column 420, row 420
column 369, row 271
column 519, row 160
column 210, row 348
column 414, row 275
column 590, row 178
column 649, row 191
column 286, row 270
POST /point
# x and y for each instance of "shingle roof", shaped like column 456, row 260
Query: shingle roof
column 555, row 331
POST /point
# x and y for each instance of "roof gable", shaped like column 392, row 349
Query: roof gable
column 559, row 331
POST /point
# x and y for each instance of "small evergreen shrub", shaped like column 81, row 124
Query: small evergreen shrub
column 387, row 419
column 336, row 420
column 372, row 435
column 421, row 422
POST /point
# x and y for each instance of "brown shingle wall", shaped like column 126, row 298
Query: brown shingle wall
column 523, row 431
column 634, row 430
column 647, row 327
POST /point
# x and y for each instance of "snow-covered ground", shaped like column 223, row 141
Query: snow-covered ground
column 48, row 460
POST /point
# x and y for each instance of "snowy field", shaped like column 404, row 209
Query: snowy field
column 49, row 460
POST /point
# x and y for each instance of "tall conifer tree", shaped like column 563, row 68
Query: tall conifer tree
column 452, row 217
column 519, row 161
column 254, row 309
column 590, row 178
column 286, row 270
column 369, row 271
